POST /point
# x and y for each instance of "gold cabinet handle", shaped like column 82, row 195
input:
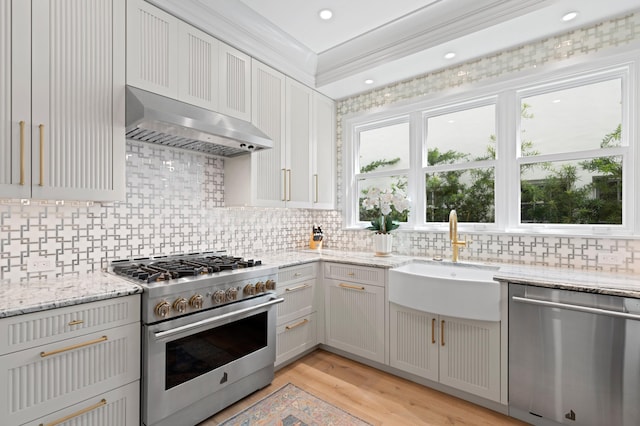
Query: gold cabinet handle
column 289, row 197
column 353, row 287
column 316, row 178
column 22, row 123
column 72, row 347
column 442, row 332
column 76, row 322
column 284, row 180
column 298, row 324
column 41, row 154
column 77, row 413
column 351, row 274
column 300, row 287
column 297, row 274
column 433, row 330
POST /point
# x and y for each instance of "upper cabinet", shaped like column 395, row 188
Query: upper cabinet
column 172, row 58
column 299, row 170
column 62, row 112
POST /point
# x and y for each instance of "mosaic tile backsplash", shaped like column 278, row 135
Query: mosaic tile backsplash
column 175, row 199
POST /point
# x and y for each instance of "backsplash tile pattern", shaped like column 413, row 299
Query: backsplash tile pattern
column 175, row 198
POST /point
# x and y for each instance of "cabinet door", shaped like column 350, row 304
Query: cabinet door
column 470, row 356
column 295, row 337
column 152, row 49
column 268, row 104
column 414, row 341
column 235, row 83
column 323, row 150
column 15, row 99
column 298, row 171
column 78, row 99
column 355, row 318
column 198, row 67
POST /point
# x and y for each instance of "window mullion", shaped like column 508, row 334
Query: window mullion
column 507, row 174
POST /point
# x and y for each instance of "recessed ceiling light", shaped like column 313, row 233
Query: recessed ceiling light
column 449, row 55
column 569, row 16
column 556, row 101
column 325, row 14
column 368, row 81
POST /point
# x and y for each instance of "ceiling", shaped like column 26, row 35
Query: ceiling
column 383, row 41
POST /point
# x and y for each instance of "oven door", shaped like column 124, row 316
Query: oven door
column 188, row 358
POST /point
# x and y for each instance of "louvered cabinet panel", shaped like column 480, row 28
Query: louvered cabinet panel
column 323, row 152
column 27, row 331
column 298, row 144
column 470, row 356
column 235, row 83
column 44, row 379
column 361, row 274
column 414, row 341
column 119, row 407
column 15, row 99
column 152, row 49
column 355, row 319
column 298, row 300
column 77, row 99
column 198, row 67
column 295, row 337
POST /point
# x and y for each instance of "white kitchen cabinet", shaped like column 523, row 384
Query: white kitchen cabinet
column 235, row 83
column 198, row 75
column 463, row 354
column 323, row 152
column 296, row 316
column 355, row 310
column 63, row 122
column 62, row 361
column 298, row 147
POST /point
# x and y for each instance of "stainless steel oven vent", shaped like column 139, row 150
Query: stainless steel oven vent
column 160, row 120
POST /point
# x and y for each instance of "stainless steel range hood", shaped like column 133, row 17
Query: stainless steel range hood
column 157, row 119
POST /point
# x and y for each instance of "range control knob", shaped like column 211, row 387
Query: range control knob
column 271, row 285
column 231, row 294
column 260, row 287
column 218, row 296
column 180, row 305
column 162, row 309
column 249, row 290
column 196, row 301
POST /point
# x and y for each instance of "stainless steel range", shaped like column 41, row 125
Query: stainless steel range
column 208, row 333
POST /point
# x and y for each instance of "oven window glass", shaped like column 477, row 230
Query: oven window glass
column 195, row 355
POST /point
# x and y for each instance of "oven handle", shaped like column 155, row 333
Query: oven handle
column 576, row 308
column 168, row 333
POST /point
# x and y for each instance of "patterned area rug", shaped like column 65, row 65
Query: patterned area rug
column 291, row 406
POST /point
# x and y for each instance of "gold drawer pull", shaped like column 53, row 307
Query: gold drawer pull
column 351, row 274
column 76, row 322
column 22, row 152
column 72, row 347
column 442, row 332
column 298, row 324
column 300, row 287
column 77, row 413
column 297, row 274
column 433, row 330
column 353, row 287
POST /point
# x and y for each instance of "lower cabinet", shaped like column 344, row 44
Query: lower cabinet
column 79, row 364
column 355, row 310
column 296, row 319
column 463, row 354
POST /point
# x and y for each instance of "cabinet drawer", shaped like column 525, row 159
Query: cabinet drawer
column 359, row 274
column 296, row 273
column 31, row 330
column 295, row 337
column 119, row 407
column 298, row 300
column 43, row 379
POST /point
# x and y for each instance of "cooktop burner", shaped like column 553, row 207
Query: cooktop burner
column 165, row 269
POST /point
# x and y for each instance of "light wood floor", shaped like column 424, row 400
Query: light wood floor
column 373, row 395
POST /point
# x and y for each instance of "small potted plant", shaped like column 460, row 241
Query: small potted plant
column 384, row 201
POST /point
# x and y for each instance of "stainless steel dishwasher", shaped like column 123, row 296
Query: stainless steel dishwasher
column 574, row 357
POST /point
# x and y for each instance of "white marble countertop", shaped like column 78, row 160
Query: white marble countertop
column 40, row 295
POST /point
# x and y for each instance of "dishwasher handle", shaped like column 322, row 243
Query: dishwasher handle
column 575, row 308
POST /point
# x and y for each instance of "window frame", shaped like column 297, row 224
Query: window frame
column 507, row 95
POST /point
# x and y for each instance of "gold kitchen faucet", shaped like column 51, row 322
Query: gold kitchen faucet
column 453, row 235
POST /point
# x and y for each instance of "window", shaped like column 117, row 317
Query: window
column 553, row 156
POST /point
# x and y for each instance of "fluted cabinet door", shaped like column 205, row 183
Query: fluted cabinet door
column 299, row 100
column 323, row 152
column 235, row 83
column 78, row 99
column 15, row 99
column 198, row 67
